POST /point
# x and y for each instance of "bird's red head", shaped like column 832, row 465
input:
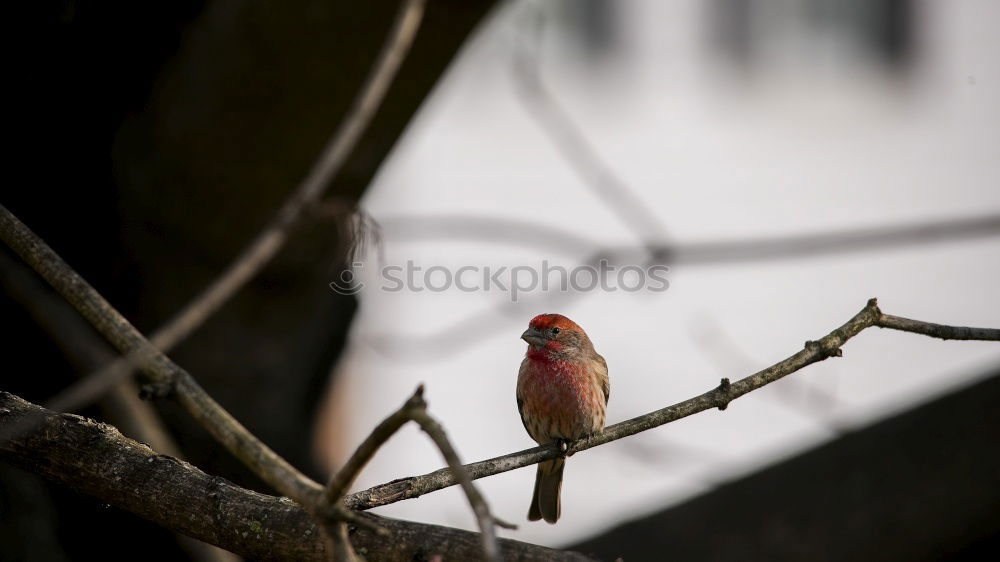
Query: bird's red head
column 549, row 321
column 554, row 333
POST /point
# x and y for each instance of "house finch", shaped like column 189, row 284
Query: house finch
column 562, row 391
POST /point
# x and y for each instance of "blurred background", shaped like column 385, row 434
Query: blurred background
column 787, row 159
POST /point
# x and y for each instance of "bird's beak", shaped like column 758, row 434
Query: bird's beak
column 533, row 337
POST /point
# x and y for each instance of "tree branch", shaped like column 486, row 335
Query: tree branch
column 269, row 241
column 169, row 376
column 85, row 350
column 554, row 240
column 180, row 385
column 939, row 331
column 95, row 459
column 719, row 397
column 342, row 480
column 485, row 519
column 571, row 143
column 415, row 409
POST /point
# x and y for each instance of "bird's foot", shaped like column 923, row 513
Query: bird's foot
column 563, row 446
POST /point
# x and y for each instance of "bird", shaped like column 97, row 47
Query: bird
column 562, row 396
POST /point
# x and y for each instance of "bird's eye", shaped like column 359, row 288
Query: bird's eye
column 555, row 331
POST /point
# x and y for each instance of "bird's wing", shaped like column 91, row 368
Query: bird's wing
column 520, row 410
column 520, row 401
column 602, row 373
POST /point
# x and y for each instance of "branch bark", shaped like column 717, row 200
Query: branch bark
column 95, row 459
column 415, row 410
column 177, row 383
column 169, row 376
column 272, row 238
column 719, row 397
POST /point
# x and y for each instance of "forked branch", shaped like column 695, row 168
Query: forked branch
column 719, row 397
column 415, row 409
column 272, row 238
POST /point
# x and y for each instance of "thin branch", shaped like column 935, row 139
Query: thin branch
column 485, row 519
column 719, row 397
column 338, row 544
column 573, row 146
column 337, row 541
column 718, row 346
column 169, row 376
column 270, row 241
column 335, row 153
column 342, row 480
column 95, row 459
column 85, row 350
column 939, row 331
column 415, row 409
column 180, row 385
column 571, row 142
column 554, row 240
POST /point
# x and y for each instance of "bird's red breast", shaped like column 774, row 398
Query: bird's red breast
column 562, row 386
column 560, row 399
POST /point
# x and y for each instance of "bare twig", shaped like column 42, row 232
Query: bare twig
column 342, row 480
column 334, row 154
column 718, row 346
column 176, row 382
column 719, row 397
column 572, row 144
column 485, row 519
column 338, row 545
column 84, row 349
column 415, row 409
column 337, row 541
column 167, row 375
column 267, row 244
column 939, row 331
column 554, row 240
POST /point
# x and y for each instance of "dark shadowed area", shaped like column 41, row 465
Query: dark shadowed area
column 781, row 161
column 921, row 485
column 153, row 141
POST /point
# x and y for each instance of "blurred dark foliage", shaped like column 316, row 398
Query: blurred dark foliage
column 884, row 29
column 921, row 485
column 152, row 140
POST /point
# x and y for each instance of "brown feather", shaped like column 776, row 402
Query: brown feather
column 545, row 502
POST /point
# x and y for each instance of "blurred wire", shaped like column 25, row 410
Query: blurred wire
column 661, row 455
column 546, row 239
column 571, row 142
column 801, row 394
column 549, row 239
column 653, row 249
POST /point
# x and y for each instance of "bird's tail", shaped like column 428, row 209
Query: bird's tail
column 548, row 483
